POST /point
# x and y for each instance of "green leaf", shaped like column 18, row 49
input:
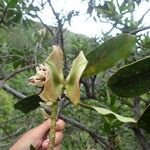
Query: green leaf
column 109, row 53
column 131, row 80
column 12, row 3
column 144, row 120
column 111, row 114
column 28, row 104
column 17, row 17
column 146, row 42
column 72, row 81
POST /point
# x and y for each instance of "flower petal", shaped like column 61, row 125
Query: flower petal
column 54, row 83
column 40, row 77
column 72, row 81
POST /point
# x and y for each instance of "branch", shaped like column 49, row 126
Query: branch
column 140, row 29
column 45, row 25
column 19, row 56
column 12, row 91
column 19, row 131
column 53, row 10
column 11, row 119
column 5, row 131
column 11, row 136
column 18, row 71
column 97, row 137
column 140, row 20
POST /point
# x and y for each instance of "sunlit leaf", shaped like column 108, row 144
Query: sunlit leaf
column 72, row 81
column 111, row 114
column 131, row 80
column 28, row 104
column 144, row 120
column 109, row 53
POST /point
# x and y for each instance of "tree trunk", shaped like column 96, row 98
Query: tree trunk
column 137, row 131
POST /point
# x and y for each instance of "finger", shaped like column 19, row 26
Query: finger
column 45, row 144
column 59, row 137
column 60, row 125
column 58, row 147
column 44, row 127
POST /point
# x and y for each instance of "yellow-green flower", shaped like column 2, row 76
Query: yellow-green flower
column 50, row 77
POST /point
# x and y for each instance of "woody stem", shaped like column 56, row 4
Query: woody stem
column 52, row 132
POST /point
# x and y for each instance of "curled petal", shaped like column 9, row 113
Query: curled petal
column 36, row 81
column 41, row 69
column 40, row 77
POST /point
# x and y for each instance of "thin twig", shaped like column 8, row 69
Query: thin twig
column 53, row 10
column 140, row 20
column 45, row 25
column 6, row 132
column 140, row 29
column 18, row 71
column 18, row 132
column 19, row 56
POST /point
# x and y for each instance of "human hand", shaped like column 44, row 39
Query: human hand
column 38, row 137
